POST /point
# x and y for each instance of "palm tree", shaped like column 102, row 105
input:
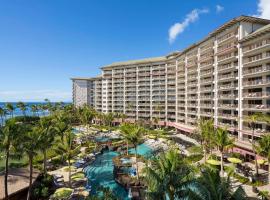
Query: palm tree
column 206, row 131
column 158, row 108
column 210, row 186
column 125, row 130
column 134, row 137
column 46, row 132
column 252, row 120
column 30, row 145
column 68, row 150
column 156, row 121
column 10, row 108
column 109, row 118
column 62, row 124
column 8, row 141
column 48, row 105
column 34, row 109
column 22, row 106
column 2, row 115
column 223, row 142
column 264, row 149
column 264, row 194
column 167, row 175
column 123, row 116
column 87, row 116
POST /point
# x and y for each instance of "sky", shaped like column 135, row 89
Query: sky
column 43, row 43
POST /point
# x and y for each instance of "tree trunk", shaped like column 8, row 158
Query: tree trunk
column 171, row 195
column 127, row 147
column 30, row 176
column 204, row 153
column 137, row 170
column 6, row 175
column 254, row 152
column 45, row 161
column 221, row 164
column 69, row 173
column 268, row 171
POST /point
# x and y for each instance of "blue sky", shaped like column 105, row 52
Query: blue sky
column 45, row 42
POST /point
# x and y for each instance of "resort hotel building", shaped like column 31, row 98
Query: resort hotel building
column 224, row 77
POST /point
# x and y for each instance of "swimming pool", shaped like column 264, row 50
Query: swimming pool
column 100, row 172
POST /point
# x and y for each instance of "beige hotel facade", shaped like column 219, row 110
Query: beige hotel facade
column 225, row 77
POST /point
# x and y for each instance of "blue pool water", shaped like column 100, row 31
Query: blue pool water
column 100, row 172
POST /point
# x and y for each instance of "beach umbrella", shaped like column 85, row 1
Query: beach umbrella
column 63, row 193
column 261, row 161
column 66, row 168
column 213, row 162
column 235, row 160
column 71, row 161
column 78, row 176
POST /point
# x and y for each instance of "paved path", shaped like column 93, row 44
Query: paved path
column 18, row 179
column 186, row 138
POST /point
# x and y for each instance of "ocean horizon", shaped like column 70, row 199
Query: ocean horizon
column 18, row 112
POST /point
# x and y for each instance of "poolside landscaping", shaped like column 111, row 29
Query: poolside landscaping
column 77, row 153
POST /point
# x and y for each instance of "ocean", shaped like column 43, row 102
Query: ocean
column 18, row 112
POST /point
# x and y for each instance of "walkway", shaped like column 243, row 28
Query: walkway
column 185, row 138
column 18, row 179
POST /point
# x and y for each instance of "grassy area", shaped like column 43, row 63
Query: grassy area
column 14, row 163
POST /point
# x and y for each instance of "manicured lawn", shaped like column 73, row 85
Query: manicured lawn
column 13, row 163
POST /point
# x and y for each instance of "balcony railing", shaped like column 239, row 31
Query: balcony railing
column 206, row 96
column 227, row 86
column 221, row 105
column 256, row 58
column 256, row 106
column 256, row 94
column 227, row 96
column 257, row 45
column 257, row 70
column 256, row 82
column 227, row 76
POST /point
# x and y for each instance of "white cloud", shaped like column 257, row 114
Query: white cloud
column 34, row 95
column 219, row 8
column 179, row 27
column 263, row 9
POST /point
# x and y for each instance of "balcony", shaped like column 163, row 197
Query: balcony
column 257, row 59
column 206, row 73
column 206, row 105
column 258, row 107
column 141, row 74
column 255, row 95
column 228, row 37
column 227, row 96
column 222, row 51
column 206, row 97
column 227, row 58
column 207, row 114
column 227, row 77
column 192, row 84
column 227, row 106
column 206, row 89
column 258, row 82
column 227, row 67
column 256, row 46
column 206, row 65
column 206, row 81
column 227, row 87
column 256, row 70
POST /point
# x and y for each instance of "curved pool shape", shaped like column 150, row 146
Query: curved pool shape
column 100, row 172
